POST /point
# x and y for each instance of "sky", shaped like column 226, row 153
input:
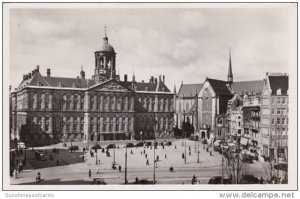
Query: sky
column 184, row 44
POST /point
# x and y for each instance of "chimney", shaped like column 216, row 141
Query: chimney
column 159, row 77
column 163, row 78
column 48, row 72
column 155, row 81
column 29, row 75
column 37, row 68
column 142, row 81
column 125, row 78
column 152, row 80
column 24, row 77
column 33, row 72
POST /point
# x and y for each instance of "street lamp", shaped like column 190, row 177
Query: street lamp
column 184, row 147
column 114, row 160
column 96, row 135
column 198, row 159
column 126, row 166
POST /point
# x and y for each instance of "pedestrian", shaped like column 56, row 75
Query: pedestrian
column 38, row 177
column 98, row 170
column 207, row 149
column 165, row 156
column 190, row 153
column 136, row 180
column 83, row 150
column 99, row 161
column 182, row 156
column 16, row 174
column 175, row 147
column 194, row 180
column 210, row 153
column 147, row 162
column 141, row 152
column 157, row 158
column 189, row 148
column 90, row 173
column 261, row 180
column 120, row 168
column 144, row 151
column 131, row 152
column 82, row 157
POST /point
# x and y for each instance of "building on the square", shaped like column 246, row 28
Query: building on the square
column 213, row 100
column 47, row 108
column 251, row 121
column 274, row 116
column 235, row 116
column 186, row 102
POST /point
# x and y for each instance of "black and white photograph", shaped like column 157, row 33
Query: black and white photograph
column 160, row 96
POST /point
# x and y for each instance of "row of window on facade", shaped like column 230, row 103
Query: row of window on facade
column 276, row 101
column 278, row 111
column 275, row 131
column 275, row 121
column 162, row 104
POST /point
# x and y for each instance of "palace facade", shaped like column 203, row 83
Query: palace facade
column 100, row 108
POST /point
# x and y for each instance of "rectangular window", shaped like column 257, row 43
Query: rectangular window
column 283, row 100
column 273, row 121
column 278, row 120
column 273, row 111
column 278, row 100
column 273, row 100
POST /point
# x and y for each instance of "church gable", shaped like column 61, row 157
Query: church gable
column 110, row 85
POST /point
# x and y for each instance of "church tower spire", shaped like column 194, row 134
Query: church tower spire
column 230, row 75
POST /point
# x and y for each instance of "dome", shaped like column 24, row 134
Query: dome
column 106, row 47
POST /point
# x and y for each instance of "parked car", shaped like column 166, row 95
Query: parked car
column 169, row 143
column 247, row 158
column 21, row 145
column 111, row 146
column 130, row 145
column 74, row 148
column 204, row 141
column 40, row 155
column 218, row 180
column 139, row 144
column 98, row 181
column 281, row 166
column 144, row 181
column 96, row 146
column 148, row 143
column 249, row 179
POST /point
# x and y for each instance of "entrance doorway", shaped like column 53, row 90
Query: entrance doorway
column 203, row 135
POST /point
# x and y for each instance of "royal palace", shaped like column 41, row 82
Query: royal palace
column 101, row 108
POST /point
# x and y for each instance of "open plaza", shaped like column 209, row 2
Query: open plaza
column 73, row 169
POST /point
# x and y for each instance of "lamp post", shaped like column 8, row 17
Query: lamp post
column 184, row 148
column 154, row 150
column 96, row 135
column 126, row 166
column 114, row 160
column 198, row 159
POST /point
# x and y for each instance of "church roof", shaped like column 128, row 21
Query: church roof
column 219, row 86
column 189, row 90
column 279, row 82
column 250, row 87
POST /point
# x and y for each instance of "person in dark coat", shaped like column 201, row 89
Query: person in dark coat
column 120, row 168
column 90, row 173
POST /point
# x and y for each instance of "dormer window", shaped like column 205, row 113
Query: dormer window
column 39, row 84
column 278, row 92
column 75, row 85
column 60, row 84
